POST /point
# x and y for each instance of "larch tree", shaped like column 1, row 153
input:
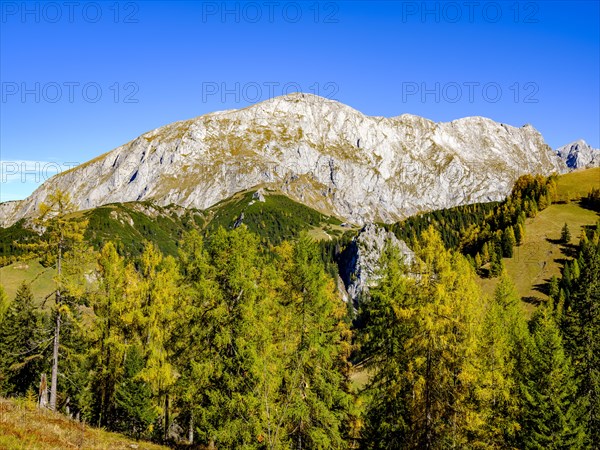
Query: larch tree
column 159, row 298
column 63, row 247
column 389, row 315
column 503, row 336
column 315, row 382
column 108, row 335
column 443, row 369
column 430, row 324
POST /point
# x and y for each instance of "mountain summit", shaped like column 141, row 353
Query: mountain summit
column 317, row 151
column 579, row 155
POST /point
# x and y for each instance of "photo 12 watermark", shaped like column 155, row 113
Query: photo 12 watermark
column 23, row 171
column 469, row 92
column 526, row 12
column 69, row 12
column 325, row 12
column 254, row 91
column 68, row 92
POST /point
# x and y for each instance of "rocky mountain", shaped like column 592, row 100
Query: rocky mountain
column 319, row 152
column 362, row 267
column 579, row 155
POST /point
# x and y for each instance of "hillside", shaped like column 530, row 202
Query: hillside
column 574, row 185
column 541, row 255
column 269, row 214
column 40, row 278
column 23, row 426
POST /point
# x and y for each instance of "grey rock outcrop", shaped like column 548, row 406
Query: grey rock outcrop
column 363, row 265
column 579, row 155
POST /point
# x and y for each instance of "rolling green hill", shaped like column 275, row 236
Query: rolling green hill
column 130, row 224
column 273, row 219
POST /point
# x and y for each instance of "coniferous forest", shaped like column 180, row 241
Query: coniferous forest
column 232, row 343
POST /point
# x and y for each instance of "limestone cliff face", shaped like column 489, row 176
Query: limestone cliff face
column 362, row 269
column 319, row 152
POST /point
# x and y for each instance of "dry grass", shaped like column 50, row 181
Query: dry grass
column 24, row 426
column 577, row 184
column 541, row 255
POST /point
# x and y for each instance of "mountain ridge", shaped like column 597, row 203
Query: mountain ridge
column 319, row 152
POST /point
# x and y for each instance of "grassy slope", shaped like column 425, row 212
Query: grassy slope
column 23, row 426
column 577, row 184
column 540, row 257
column 275, row 219
column 41, row 280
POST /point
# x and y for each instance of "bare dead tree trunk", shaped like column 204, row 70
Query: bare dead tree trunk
column 54, row 380
column 191, row 429
column 166, row 431
column 43, row 392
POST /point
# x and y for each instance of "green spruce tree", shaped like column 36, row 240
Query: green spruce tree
column 581, row 325
column 552, row 411
column 22, row 345
column 565, row 234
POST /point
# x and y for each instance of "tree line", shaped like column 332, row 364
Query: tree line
column 452, row 369
column 234, row 345
column 239, row 346
column 485, row 232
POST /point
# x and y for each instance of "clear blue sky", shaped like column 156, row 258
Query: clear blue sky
column 80, row 80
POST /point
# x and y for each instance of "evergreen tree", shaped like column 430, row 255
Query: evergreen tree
column 554, row 288
column 134, row 410
column 519, row 234
column 226, row 371
column 504, row 334
column 508, row 242
column 552, row 412
column 565, row 234
column 315, row 384
column 581, row 324
column 389, row 315
column 496, row 262
column 63, row 248
column 21, row 345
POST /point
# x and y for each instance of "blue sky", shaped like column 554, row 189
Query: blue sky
column 80, row 80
